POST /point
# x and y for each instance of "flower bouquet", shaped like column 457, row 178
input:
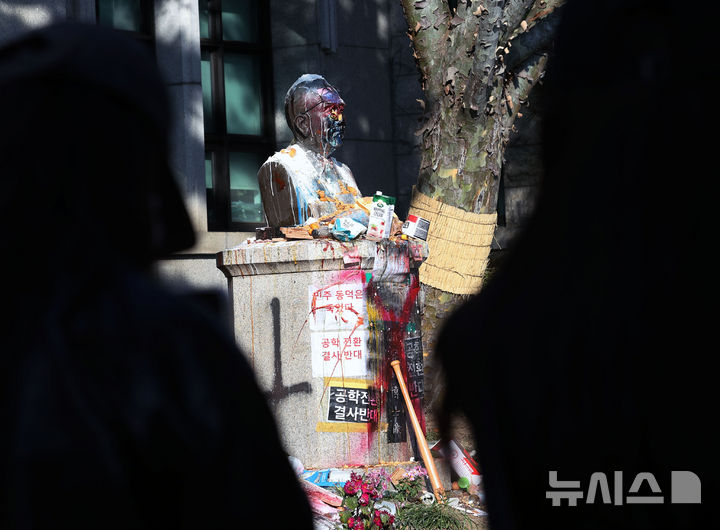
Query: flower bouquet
column 359, row 497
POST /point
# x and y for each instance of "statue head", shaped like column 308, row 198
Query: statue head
column 314, row 113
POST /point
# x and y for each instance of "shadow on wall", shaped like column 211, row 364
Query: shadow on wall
column 19, row 16
column 186, row 136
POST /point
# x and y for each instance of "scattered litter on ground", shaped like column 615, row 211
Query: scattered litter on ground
column 427, row 498
column 317, row 492
column 386, row 505
column 462, row 464
column 296, row 464
column 327, row 477
column 455, row 503
column 321, row 522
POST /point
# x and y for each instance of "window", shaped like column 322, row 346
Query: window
column 237, row 108
column 133, row 16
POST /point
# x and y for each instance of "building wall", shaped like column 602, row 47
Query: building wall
column 348, row 43
column 406, row 108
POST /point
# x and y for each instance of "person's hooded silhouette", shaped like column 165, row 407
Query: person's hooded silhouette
column 121, row 405
column 586, row 354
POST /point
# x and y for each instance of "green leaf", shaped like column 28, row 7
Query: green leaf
column 350, row 502
column 345, row 516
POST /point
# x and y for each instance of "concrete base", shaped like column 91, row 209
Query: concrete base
column 270, row 288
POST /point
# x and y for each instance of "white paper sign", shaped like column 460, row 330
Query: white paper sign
column 338, row 330
column 339, row 353
column 336, row 306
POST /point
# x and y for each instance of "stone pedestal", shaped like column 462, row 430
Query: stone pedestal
column 300, row 317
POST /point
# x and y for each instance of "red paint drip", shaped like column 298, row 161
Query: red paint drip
column 398, row 323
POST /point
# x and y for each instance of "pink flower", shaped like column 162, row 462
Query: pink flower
column 351, row 487
column 367, row 488
column 377, row 520
column 364, row 499
column 359, row 525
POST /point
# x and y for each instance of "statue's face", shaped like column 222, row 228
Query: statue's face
column 325, row 120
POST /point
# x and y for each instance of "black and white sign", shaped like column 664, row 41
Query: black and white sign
column 351, row 405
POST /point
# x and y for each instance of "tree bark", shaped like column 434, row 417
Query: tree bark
column 474, row 83
column 478, row 63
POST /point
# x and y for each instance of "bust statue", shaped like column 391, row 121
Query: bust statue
column 303, row 180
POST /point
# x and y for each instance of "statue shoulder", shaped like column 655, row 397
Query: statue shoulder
column 343, row 171
column 293, row 158
column 339, row 165
column 271, row 165
column 280, row 160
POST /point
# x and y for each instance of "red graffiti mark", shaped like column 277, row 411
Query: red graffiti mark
column 397, row 322
column 354, row 275
column 344, row 276
column 314, row 307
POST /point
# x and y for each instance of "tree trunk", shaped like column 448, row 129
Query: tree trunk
column 478, row 63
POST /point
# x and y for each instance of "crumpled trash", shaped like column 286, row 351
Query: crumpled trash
column 357, row 215
column 386, row 505
column 427, row 498
column 455, row 503
column 347, row 229
column 327, row 477
column 322, row 522
column 461, row 461
column 316, row 492
column 297, row 465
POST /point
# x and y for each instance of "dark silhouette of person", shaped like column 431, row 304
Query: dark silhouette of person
column 122, row 405
column 588, row 350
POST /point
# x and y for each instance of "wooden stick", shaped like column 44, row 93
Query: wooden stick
column 422, row 442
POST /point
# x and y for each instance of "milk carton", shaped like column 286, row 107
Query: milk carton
column 381, row 217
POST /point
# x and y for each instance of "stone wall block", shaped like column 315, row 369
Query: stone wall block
column 361, row 75
column 187, row 149
column 372, row 164
column 177, row 37
column 293, row 23
column 289, row 64
column 365, row 23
